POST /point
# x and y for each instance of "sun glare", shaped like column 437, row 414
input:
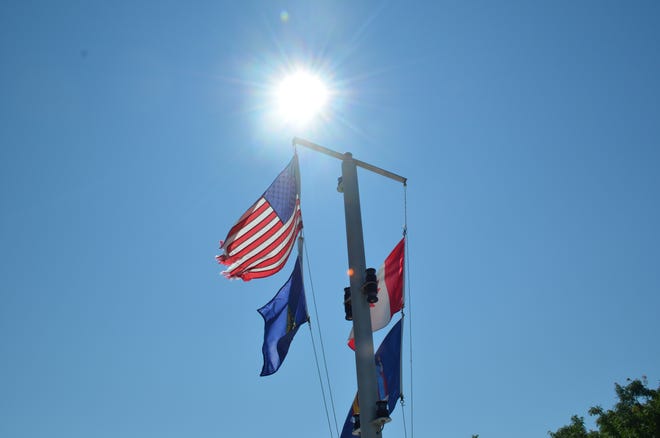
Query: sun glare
column 300, row 97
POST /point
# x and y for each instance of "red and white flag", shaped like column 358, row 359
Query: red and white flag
column 390, row 290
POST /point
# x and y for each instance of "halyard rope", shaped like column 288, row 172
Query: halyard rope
column 409, row 306
column 325, row 363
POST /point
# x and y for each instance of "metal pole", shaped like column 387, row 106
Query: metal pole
column 358, row 163
column 364, row 344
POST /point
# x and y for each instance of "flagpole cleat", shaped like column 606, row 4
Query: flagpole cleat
column 348, row 306
column 356, row 425
column 380, row 421
column 382, row 414
column 370, row 286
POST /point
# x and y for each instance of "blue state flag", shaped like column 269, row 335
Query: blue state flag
column 283, row 315
column 388, row 371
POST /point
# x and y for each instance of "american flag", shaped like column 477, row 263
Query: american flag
column 259, row 244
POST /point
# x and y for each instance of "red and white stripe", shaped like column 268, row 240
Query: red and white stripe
column 259, row 244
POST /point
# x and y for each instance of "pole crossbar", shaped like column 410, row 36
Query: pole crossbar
column 339, row 156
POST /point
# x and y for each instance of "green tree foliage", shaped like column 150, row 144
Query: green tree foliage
column 574, row 430
column 636, row 415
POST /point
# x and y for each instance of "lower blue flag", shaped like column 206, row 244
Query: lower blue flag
column 283, row 315
column 388, row 371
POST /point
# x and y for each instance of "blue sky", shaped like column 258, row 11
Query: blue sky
column 134, row 134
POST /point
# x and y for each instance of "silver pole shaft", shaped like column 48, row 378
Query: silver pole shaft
column 364, row 344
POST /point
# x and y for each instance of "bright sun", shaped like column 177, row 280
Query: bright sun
column 301, row 96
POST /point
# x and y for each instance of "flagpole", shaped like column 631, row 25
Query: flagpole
column 358, row 163
column 364, row 345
